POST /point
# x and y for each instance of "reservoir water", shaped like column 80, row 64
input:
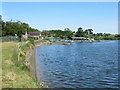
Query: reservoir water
column 80, row 65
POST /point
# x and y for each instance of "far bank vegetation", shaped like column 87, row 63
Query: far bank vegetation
column 10, row 28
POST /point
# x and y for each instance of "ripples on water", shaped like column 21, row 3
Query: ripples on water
column 80, row 65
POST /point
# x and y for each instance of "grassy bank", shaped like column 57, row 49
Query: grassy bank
column 14, row 74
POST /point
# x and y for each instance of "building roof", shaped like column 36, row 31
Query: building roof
column 34, row 33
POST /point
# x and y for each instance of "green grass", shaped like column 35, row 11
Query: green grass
column 13, row 76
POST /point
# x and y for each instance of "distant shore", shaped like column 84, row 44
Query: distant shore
column 47, row 42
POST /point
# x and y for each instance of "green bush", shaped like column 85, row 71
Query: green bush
column 32, row 41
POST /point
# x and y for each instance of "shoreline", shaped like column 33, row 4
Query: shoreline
column 33, row 67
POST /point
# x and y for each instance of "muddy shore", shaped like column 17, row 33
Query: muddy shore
column 31, row 59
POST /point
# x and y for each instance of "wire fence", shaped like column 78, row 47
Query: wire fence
column 6, row 39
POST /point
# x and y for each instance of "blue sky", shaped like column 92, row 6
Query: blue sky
column 100, row 16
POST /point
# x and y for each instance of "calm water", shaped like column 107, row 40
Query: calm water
column 80, row 65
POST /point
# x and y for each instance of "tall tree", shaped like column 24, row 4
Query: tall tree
column 90, row 31
column 80, row 32
column 67, row 33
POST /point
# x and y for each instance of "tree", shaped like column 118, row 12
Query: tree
column 67, row 33
column 1, row 25
column 86, row 32
column 11, row 28
column 90, row 31
column 80, row 32
column 80, row 29
column 66, row 29
column 45, row 33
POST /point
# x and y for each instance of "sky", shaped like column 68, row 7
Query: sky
column 60, row 0
column 99, row 16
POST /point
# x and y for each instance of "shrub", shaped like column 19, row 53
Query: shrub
column 32, row 41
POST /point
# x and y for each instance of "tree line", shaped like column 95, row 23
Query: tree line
column 67, row 33
column 88, row 33
column 10, row 28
